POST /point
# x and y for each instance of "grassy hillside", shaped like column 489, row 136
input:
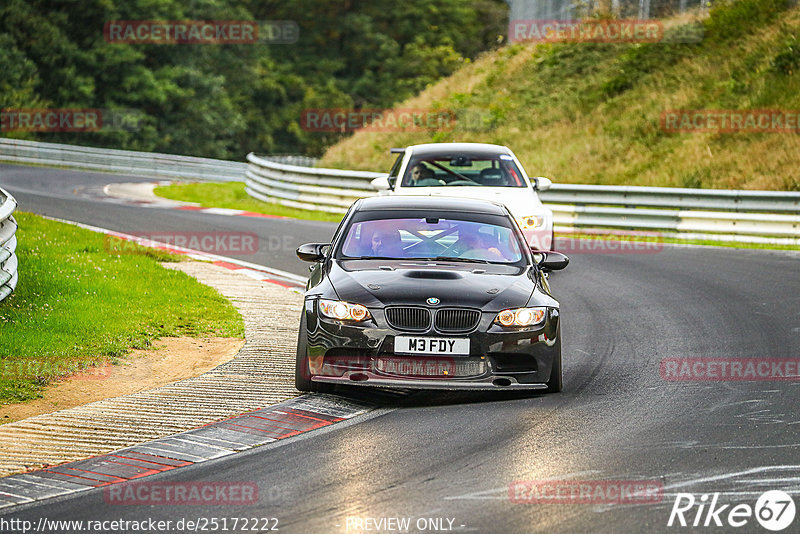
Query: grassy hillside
column 590, row 113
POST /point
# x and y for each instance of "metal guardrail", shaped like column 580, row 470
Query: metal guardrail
column 144, row 164
column 717, row 214
column 721, row 215
column 678, row 198
column 329, row 190
column 8, row 244
column 707, row 214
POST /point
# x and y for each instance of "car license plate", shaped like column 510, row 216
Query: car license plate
column 431, row 345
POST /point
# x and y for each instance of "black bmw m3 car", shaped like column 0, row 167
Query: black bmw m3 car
column 429, row 293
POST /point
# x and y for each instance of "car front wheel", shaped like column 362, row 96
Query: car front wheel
column 302, row 374
column 554, row 383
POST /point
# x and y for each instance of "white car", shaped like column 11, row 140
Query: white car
column 473, row 170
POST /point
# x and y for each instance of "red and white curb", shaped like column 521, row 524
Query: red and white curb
column 252, row 429
column 252, row 270
column 228, row 211
column 141, row 194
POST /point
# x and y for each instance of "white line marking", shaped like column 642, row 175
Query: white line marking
column 729, row 475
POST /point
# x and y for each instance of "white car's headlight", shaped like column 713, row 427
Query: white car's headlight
column 521, row 316
column 343, row 311
column 530, row 221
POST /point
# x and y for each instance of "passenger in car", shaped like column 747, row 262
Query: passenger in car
column 474, row 246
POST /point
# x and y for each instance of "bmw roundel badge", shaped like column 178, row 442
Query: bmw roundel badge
column 433, row 301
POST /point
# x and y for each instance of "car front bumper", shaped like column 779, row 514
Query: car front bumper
column 491, row 383
column 498, row 358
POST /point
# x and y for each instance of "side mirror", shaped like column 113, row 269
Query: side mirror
column 381, row 183
column 312, row 251
column 551, row 260
column 540, row 183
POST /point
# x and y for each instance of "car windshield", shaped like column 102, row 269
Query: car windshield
column 444, row 171
column 431, row 238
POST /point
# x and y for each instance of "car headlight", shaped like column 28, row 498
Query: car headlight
column 530, row 221
column 521, row 316
column 343, row 311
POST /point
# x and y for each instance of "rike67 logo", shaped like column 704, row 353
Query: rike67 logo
column 774, row 510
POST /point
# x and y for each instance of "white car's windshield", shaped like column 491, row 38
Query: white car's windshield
column 486, row 171
column 444, row 239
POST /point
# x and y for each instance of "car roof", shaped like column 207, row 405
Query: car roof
column 451, row 149
column 432, row 203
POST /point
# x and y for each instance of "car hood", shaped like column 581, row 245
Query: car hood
column 378, row 283
column 520, row 201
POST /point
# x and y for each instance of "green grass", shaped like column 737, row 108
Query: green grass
column 729, row 244
column 232, row 195
column 78, row 305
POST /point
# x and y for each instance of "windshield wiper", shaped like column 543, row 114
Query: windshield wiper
column 453, row 258
column 437, row 258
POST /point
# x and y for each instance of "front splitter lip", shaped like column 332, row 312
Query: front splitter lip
column 481, row 384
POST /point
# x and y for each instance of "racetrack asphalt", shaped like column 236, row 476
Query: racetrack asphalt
column 454, row 456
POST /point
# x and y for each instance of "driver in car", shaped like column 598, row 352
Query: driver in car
column 419, row 172
column 386, row 242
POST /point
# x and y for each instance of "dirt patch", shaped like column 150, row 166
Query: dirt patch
column 172, row 359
